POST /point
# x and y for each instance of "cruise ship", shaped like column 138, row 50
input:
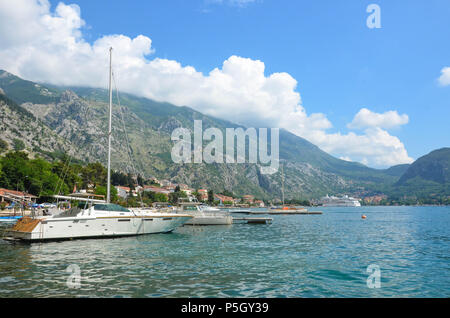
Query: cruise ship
column 342, row 201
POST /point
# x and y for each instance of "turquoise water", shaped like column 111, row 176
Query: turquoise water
column 296, row 256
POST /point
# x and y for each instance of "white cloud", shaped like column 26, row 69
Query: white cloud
column 376, row 147
column 238, row 3
column 367, row 119
column 444, row 80
column 46, row 46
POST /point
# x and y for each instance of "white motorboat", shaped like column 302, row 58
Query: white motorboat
column 96, row 218
column 204, row 217
column 208, row 208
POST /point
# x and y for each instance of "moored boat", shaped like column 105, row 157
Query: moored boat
column 99, row 220
column 204, row 217
column 287, row 210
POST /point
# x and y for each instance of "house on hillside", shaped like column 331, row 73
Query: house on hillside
column 165, row 183
column 248, row 199
column 203, row 194
column 171, row 188
column 157, row 190
column 223, row 199
column 122, row 191
column 188, row 191
column 259, row 203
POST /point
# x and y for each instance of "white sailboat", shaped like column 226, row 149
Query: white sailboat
column 96, row 218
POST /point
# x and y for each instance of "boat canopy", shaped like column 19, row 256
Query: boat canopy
column 110, row 207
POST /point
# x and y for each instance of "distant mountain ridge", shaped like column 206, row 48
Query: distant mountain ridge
column 434, row 167
column 78, row 116
column 397, row 170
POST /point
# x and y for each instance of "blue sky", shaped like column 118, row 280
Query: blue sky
column 340, row 65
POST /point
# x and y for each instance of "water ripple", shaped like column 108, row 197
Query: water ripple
column 296, row 256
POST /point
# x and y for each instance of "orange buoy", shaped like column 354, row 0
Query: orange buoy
column 363, row 216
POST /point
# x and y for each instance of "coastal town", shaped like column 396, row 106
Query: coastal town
column 166, row 188
column 154, row 190
column 162, row 190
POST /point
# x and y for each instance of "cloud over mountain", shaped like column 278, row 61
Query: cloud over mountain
column 48, row 46
column 367, row 119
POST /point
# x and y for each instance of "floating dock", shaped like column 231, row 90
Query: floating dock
column 240, row 211
column 277, row 213
column 253, row 220
column 296, row 213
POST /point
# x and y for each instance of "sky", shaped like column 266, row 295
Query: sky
column 379, row 96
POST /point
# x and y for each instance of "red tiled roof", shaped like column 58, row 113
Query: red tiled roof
column 223, row 197
column 156, row 189
column 17, row 193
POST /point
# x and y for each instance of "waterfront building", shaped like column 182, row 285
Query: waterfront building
column 223, row 199
column 203, row 194
column 248, row 199
column 7, row 195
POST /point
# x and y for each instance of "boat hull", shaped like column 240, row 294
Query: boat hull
column 93, row 227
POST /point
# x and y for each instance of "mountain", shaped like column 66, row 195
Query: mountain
column 20, row 129
column 433, row 167
column 425, row 181
column 397, row 171
column 75, row 119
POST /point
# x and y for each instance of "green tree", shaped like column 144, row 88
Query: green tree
column 69, row 172
column 3, row 146
column 15, row 169
column 101, row 190
column 33, row 176
column 210, row 196
column 133, row 202
column 95, row 174
column 174, row 196
column 140, row 180
column 149, row 197
column 197, row 195
column 228, row 193
column 18, row 145
column 130, row 181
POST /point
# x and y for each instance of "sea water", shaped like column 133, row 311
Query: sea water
column 394, row 252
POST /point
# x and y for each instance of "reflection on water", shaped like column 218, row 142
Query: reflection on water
column 295, row 256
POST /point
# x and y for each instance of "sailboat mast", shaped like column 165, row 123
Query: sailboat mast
column 282, row 182
column 108, row 185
